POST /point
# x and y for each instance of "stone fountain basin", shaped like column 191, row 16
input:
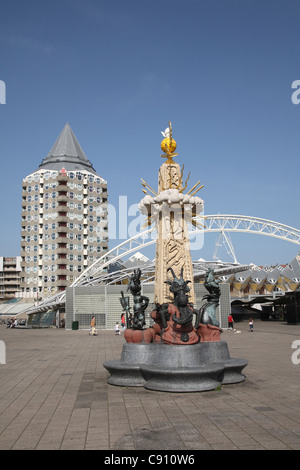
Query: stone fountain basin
column 163, row 367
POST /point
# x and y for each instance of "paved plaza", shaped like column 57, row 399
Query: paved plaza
column 54, row 395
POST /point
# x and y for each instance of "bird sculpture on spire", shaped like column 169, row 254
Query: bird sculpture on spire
column 166, row 134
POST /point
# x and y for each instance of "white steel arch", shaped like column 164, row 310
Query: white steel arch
column 213, row 223
column 224, row 223
column 137, row 242
column 249, row 224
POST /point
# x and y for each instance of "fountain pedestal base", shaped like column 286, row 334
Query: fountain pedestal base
column 163, row 367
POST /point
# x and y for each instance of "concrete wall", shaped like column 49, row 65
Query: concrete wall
column 104, row 302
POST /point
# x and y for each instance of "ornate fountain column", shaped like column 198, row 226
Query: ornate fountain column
column 172, row 244
column 171, row 210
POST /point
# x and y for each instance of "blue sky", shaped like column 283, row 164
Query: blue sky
column 119, row 70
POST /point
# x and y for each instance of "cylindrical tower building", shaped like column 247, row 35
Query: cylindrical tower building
column 64, row 219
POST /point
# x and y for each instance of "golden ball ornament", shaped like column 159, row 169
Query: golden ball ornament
column 168, row 145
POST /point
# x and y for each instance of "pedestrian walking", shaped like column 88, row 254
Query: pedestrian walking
column 117, row 329
column 251, row 324
column 123, row 322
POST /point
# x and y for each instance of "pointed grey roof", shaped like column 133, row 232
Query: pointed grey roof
column 292, row 270
column 67, row 153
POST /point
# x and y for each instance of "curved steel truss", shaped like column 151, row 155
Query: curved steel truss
column 247, row 224
column 97, row 269
column 213, row 223
column 241, row 223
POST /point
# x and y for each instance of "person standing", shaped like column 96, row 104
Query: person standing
column 230, row 322
column 251, row 324
column 93, row 326
column 117, row 329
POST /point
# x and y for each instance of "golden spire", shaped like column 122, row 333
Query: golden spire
column 168, row 145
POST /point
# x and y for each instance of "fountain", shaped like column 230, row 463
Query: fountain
column 182, row 351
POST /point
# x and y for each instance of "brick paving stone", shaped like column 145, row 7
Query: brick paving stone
column 54, row 395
